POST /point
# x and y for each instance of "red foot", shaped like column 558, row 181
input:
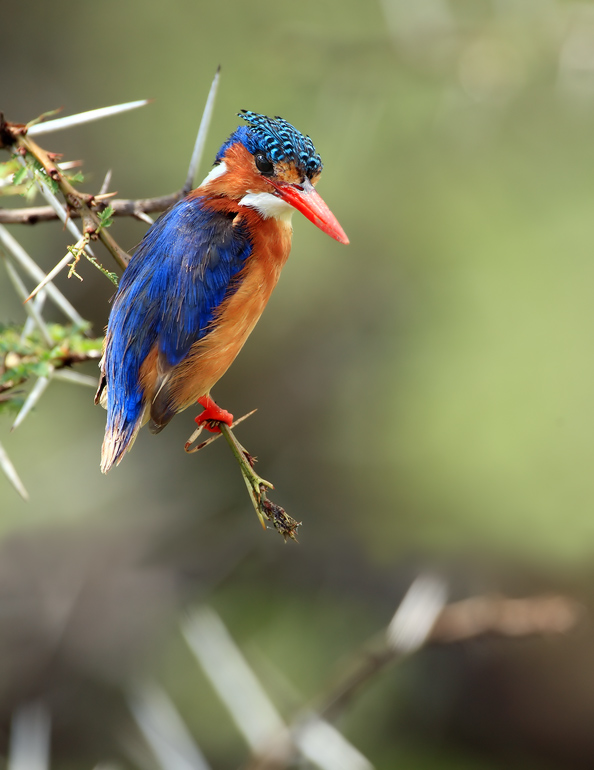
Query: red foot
column 211, row 415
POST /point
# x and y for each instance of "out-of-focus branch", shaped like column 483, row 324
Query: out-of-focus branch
column 253, row 712
column 458, row 621
column 424, row 618
column 501, row 616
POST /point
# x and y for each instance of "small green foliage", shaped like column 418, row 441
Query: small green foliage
column 19, row 184
column 8, row 168
column 21, row 359
column 78, row 177
column 11, row 403
column 20, row 176
column 40, row 173
column 111, row 276
column 23, row 185
column 106, row 216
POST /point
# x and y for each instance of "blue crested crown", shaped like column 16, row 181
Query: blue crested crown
column 278, row 139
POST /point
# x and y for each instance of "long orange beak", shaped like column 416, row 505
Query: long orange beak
column 310, row 203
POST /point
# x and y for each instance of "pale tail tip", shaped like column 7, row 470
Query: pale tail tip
column 111, row 452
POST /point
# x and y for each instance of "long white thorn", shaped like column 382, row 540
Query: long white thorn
column 202, row 132
column 11, row 474
column 50, row 276
column 106, row 182
column 31, row 309
column 84, row 117
column 38, row 304
column 144, row 217
column 30, row 266
column 68, row 375
column 30, row 737
column 36, row 393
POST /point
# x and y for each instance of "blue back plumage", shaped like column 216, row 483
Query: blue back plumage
column 182, row 271
column 277, row 139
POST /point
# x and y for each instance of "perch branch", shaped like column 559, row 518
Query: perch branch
column 256, row 486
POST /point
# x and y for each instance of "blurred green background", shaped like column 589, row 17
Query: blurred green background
column 424, row 395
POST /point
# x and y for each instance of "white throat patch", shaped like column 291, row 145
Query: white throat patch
column 268, row 205
column 214, row 173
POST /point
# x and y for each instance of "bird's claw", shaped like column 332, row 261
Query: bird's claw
column 212, row 415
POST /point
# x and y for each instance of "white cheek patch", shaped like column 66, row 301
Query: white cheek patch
column 268, row 205
column 215, row 173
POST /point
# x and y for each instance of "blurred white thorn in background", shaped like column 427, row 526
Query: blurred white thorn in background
column 416, row 615
column 106, row 182
column 35, row 394
column 232, row 678
column 37, row 306
column 252, row 710
column 11, row 474
column 20, row 256
column 164, row 729
column 30, row 738
column 326, row 747
column 31, row 308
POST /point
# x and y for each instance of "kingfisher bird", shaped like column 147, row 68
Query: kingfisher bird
column 200, row 279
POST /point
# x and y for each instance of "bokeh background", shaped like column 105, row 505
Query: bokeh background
column 424, row 395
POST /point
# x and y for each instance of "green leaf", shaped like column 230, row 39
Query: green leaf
column 8, row 168
column 106, row 216
column 40, row 171
column 20, row 175
column 11, row 405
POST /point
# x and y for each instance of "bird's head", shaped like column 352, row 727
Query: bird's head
column 270, row 166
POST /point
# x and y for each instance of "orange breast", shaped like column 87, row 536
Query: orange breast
column 210, row 358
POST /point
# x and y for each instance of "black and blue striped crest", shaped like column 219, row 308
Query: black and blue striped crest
column 282, row 142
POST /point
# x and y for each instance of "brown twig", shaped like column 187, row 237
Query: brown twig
column 122, row 207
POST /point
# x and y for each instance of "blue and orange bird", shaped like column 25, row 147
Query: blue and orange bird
column 200, row 279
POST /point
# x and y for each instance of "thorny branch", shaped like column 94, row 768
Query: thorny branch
column 75, row 200
column 257, row 487
column 122, row 207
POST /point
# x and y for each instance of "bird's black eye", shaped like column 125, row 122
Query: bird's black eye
column 263, row 165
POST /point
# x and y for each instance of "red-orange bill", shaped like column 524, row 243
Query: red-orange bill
column 305, row 198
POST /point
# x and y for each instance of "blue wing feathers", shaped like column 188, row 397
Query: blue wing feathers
column 186, row 265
